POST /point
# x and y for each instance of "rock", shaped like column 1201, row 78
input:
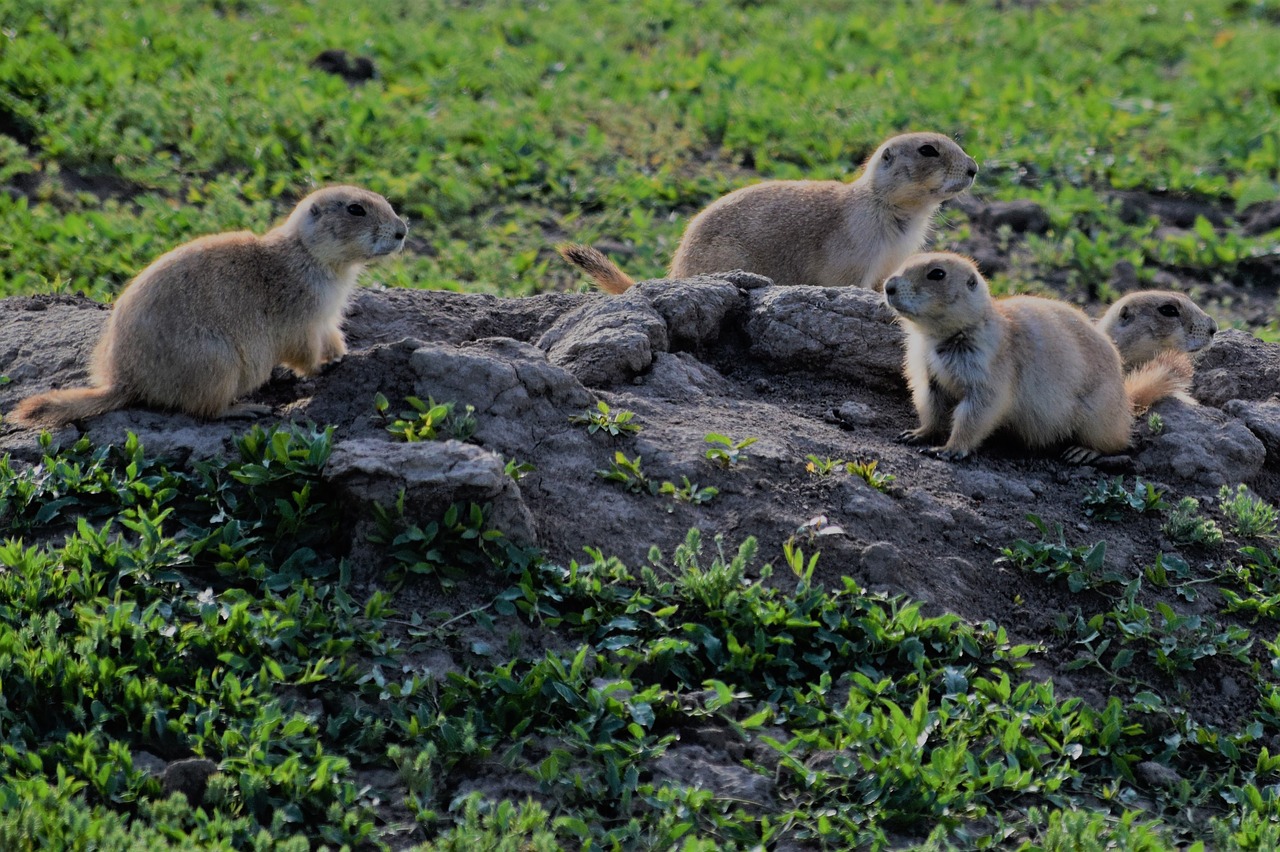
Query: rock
column 189, row 777
column 145, row 761
column 695, row 311
column 608, row 340
column 1261, row 218
column 681, row 377
column 695, row 766
column 518, row 396
column 1263, row 420
column 1157, row 774
column 1262, row 271
column 1236, row 365
column 1201, row 445
column 846, row 332
column 432, row 475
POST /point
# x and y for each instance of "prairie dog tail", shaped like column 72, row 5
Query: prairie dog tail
column 1167, row 374
column 607, row 275
column 59, row 407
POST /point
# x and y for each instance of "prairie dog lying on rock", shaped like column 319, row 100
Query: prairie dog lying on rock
column 1035, row 366
column 822, row 232
column 205, row 323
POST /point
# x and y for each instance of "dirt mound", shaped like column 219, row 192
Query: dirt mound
column 804, row 371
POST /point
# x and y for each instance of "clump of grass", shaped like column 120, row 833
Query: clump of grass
column 1186, row 526
column 1248, row 515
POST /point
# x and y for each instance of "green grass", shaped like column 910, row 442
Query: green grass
column 500, row 128
column 204, row 612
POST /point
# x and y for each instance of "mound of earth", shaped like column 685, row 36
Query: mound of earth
column 805, row 371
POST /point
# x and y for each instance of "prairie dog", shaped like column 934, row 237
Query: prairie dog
column 205, row 323
column 1033, row 365
column 1148, row 322
column 822, row 232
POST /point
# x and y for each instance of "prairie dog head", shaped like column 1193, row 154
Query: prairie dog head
column 920, row 169
column 342, row 225
column 1147, row 322
column 939, row 292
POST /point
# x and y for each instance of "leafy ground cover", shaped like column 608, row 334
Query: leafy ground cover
column 152, row 609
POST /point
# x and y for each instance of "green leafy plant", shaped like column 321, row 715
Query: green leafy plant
column 1109, row 500
column 1083, row 567
column 1155, row 423
column 431, row 420
column 688, row 492
column 821, row 466
column 628, row 473
column 1248, row 515
column 867, row 471
column 1186, row 525
column 518, row 470
column 604, row 419
column 725, row 451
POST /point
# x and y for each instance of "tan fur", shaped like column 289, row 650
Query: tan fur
column 604, row 272
column 825, row 233
column 1169, row 373
column 205, row 323
column 1148, row 322
column 1035, row 366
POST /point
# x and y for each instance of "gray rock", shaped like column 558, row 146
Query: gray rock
column 1236, row 365
column 1157, row 774
column 189, row 777
column 1263, row 420
column 518, row 396
column 432, row 475
column 694, row 310
column 846, row 332
column 1201, row 445
column 607, row 340
column 696, row 766
column 681, row 377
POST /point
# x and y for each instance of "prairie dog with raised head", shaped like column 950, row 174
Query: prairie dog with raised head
column 1148, row 322
column 1035, row 366
column 822, row 232
column 205, row 323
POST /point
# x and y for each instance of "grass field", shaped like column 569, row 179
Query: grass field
column 500, row 129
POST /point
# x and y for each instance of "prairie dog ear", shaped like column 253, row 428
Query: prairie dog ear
column 1126, row 315
column 887, row 156
column 315, row 210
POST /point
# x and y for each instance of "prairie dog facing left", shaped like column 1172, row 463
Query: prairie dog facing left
column 205, row 323
column 1035, row 366
column 822, row 232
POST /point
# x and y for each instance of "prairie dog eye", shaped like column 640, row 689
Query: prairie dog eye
column 355, row 209
column 936, row 274
column 1168, row 310
column 928, row 151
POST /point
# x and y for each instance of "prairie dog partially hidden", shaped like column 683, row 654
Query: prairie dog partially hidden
column 205, row 323
column 1148, row 322
column 1035, row 366
column 822, row 232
